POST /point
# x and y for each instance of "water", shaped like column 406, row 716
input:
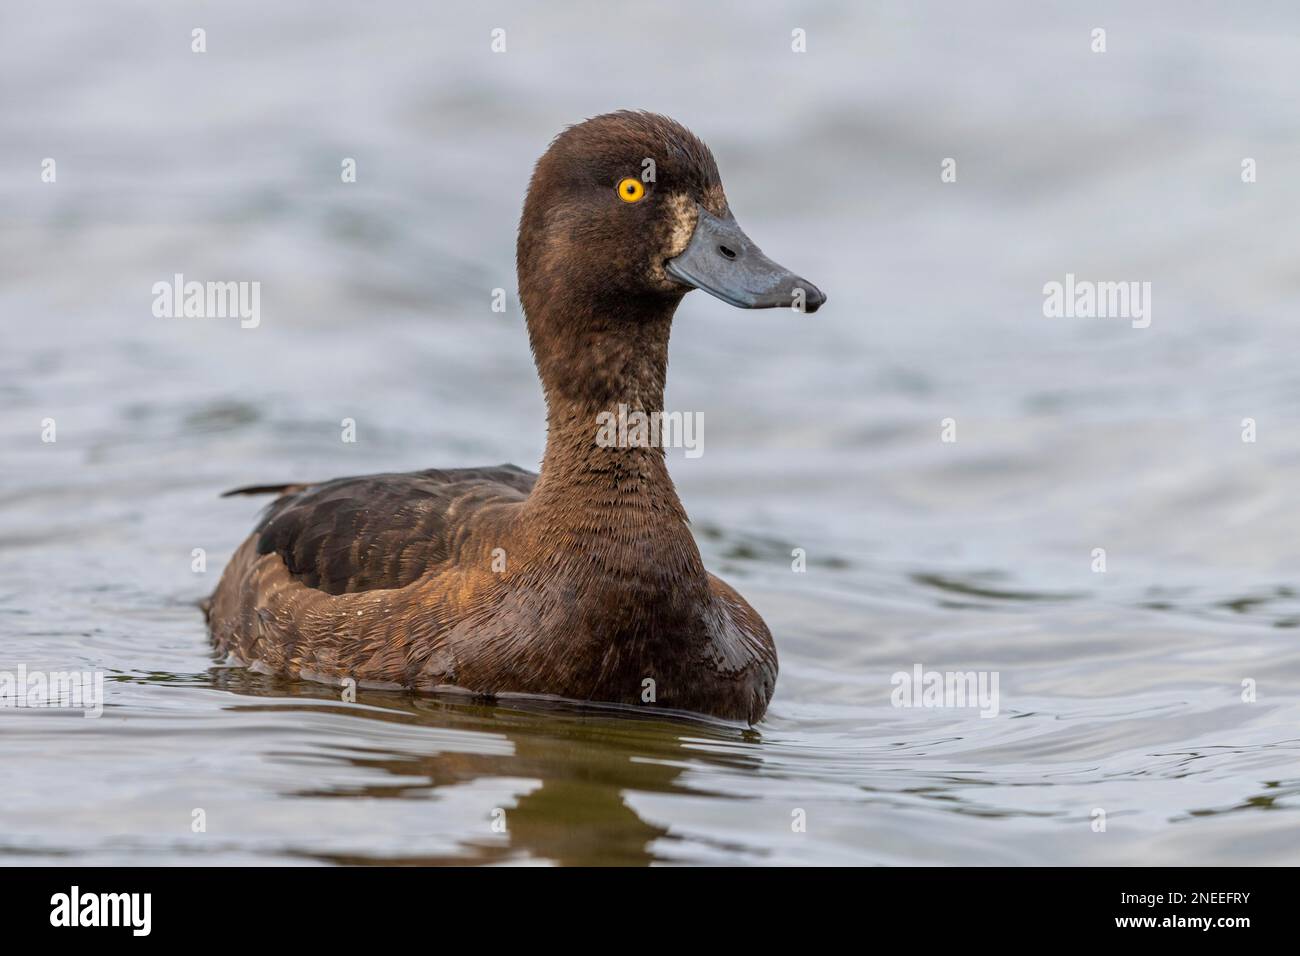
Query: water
column 1119, row 691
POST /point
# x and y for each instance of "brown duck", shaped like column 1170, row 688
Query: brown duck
column 582, row 581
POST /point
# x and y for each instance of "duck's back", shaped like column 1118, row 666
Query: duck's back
column 379, row 531
column 325, row 573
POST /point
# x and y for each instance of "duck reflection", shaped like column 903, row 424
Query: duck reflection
column 585, row 760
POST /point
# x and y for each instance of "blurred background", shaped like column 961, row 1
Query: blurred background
column 1120, row 690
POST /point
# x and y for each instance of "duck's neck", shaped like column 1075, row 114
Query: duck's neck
column 614, row 504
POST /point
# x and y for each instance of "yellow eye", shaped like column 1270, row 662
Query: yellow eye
column 630, row 190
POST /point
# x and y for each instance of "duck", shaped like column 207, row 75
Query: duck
column 581, row 581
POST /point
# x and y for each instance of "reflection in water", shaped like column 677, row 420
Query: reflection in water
column 583, row 759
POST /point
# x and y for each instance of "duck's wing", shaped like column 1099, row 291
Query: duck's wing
column 377, row 531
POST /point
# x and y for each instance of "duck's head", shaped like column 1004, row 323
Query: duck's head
column 628, row 208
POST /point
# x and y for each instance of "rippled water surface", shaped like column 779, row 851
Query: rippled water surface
column 1119, row 691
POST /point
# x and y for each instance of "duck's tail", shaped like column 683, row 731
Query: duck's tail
column 265, row 490
column 205, row 605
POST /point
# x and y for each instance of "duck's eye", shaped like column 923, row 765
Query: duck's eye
column 630, row 190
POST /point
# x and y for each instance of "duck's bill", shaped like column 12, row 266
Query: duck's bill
column 724, row 262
